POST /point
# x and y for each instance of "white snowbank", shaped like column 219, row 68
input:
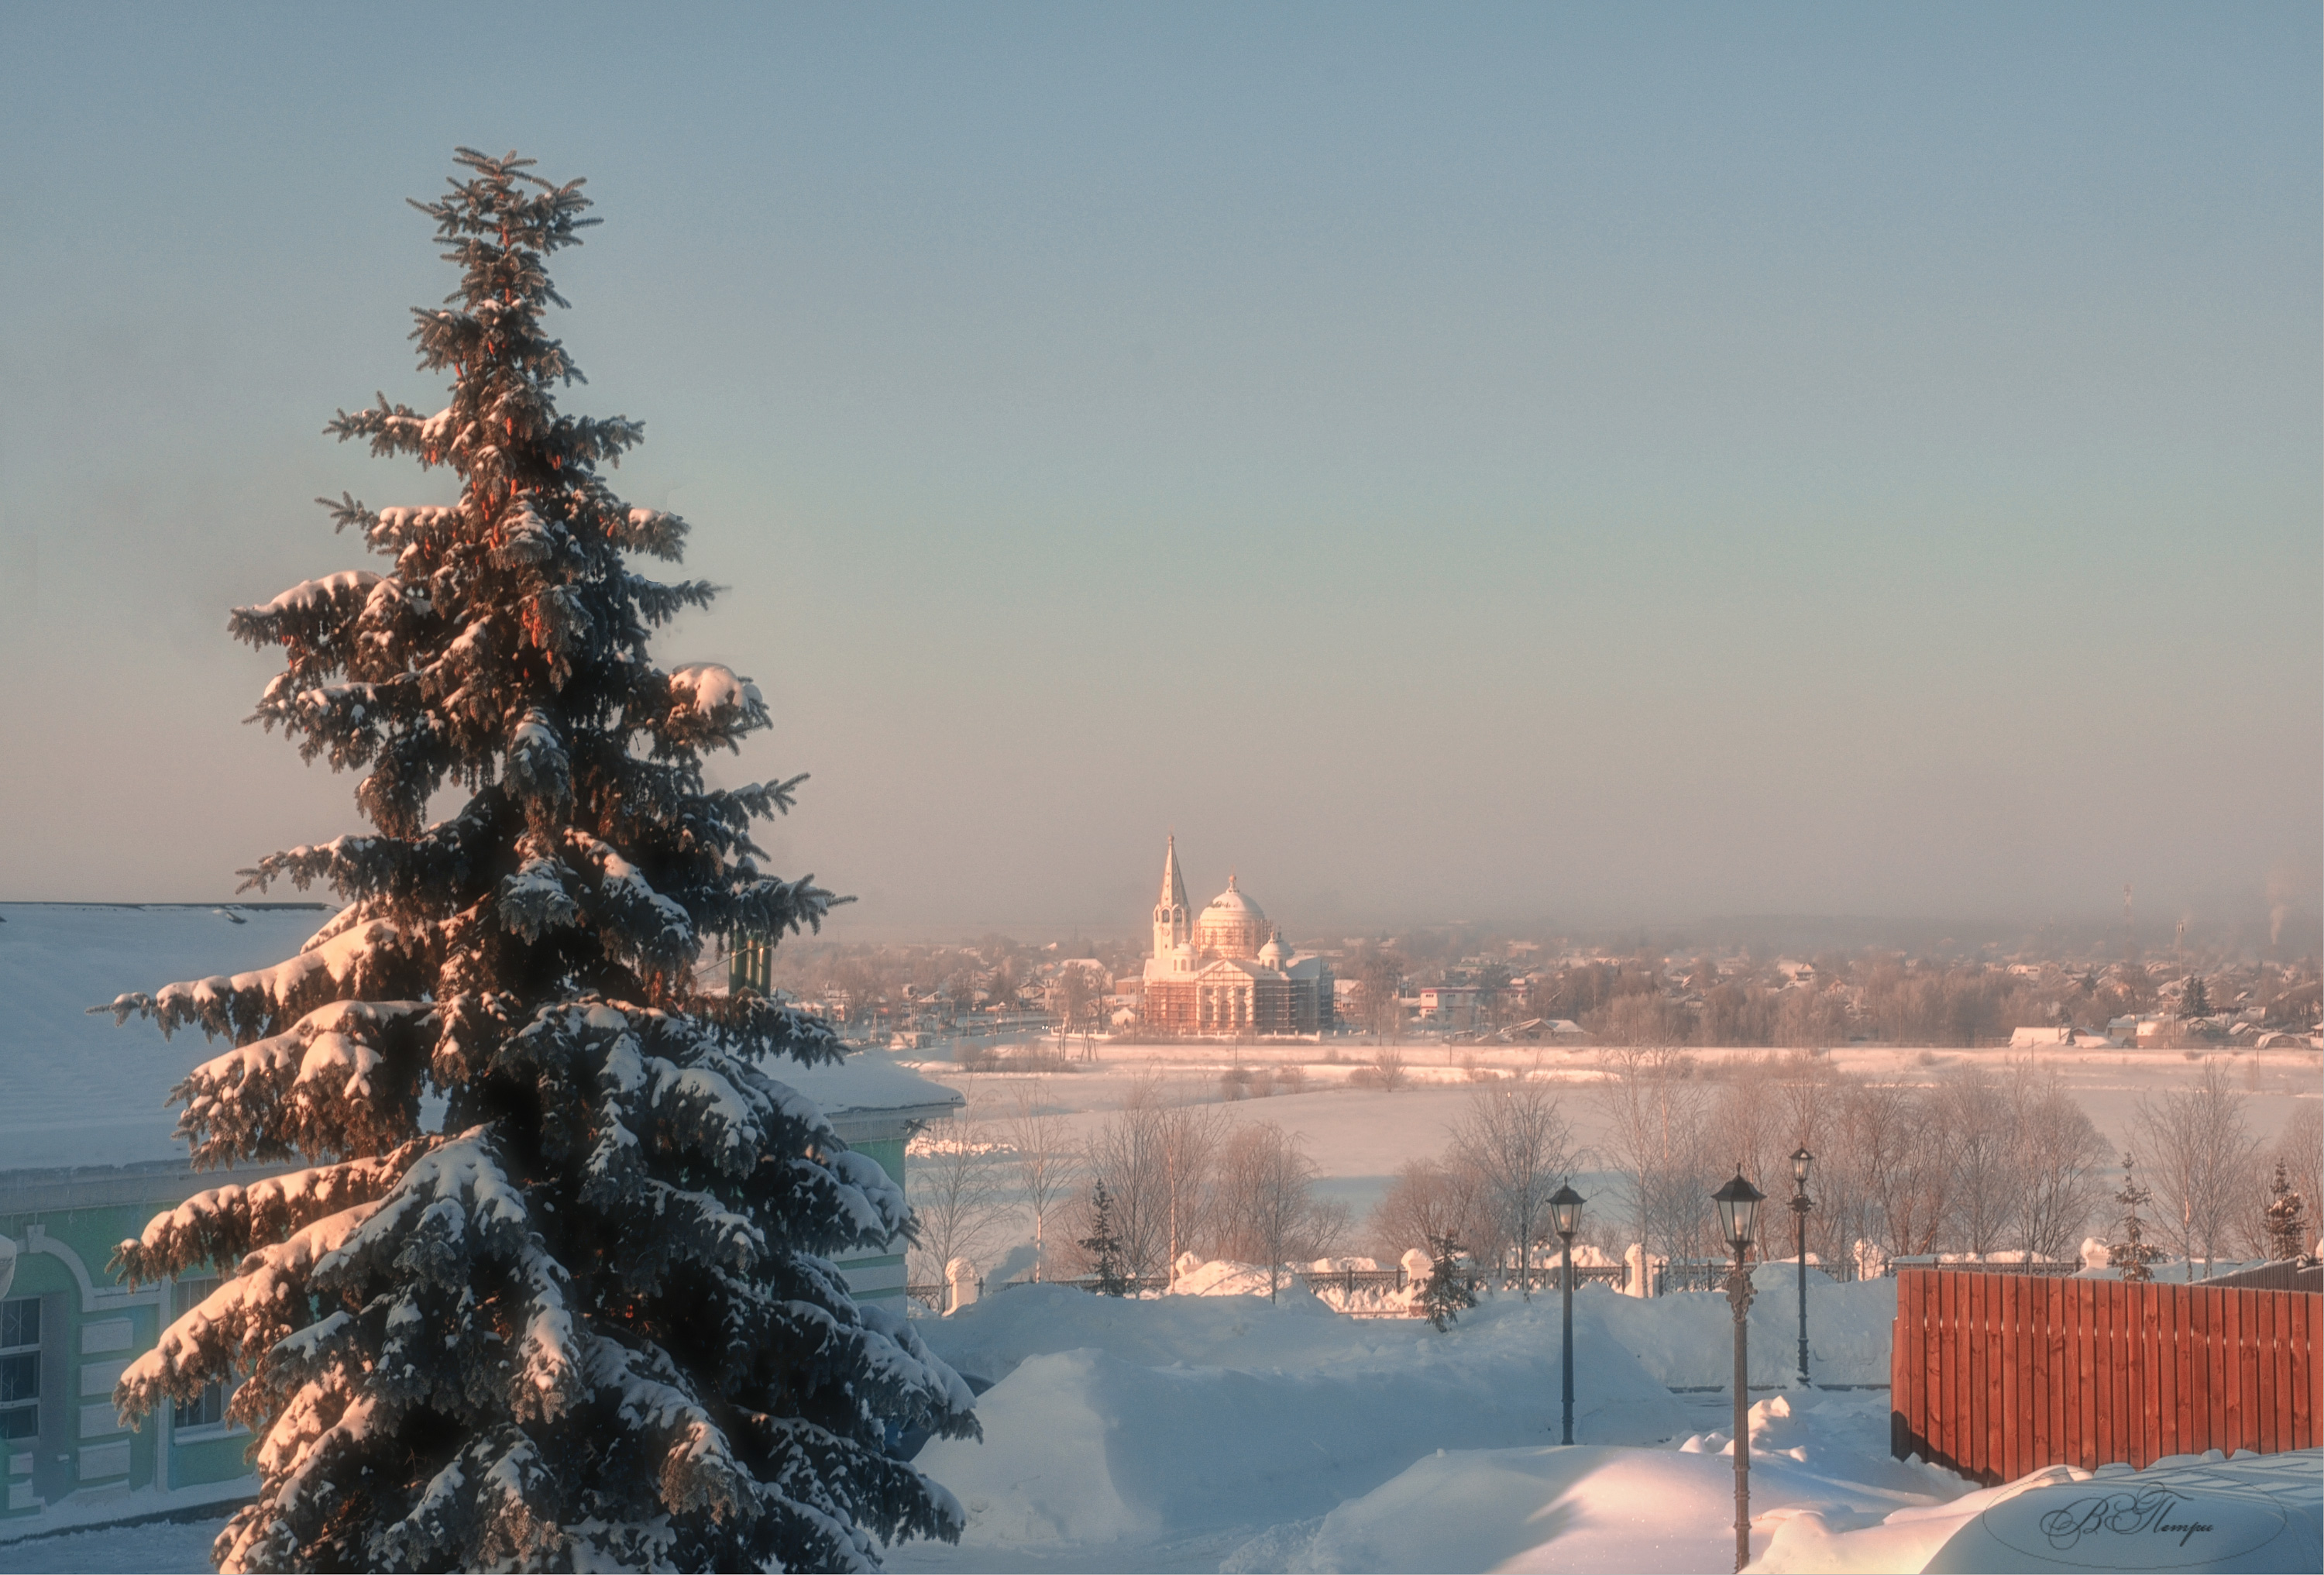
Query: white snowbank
column 1222, row 1277
column 2251, row 1512
column 1603, row 1508
column 1116, row 1421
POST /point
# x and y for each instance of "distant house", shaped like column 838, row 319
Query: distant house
column 88, row 1155
column 1460, row 1005
column 1535, row 1029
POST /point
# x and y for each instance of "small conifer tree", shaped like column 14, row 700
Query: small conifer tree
column 1448, row 1294
column 2286, row 1218
column 2131, row 1254
column 1103, row 1246
column 2197, row 1002
column 554, row 1288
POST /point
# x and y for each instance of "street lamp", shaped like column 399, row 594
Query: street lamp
column 1800, row 1207
column 1738, row 1208
column 1565, row 1217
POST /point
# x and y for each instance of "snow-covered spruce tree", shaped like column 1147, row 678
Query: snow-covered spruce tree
column 585, row 1317
column 1448, row 1294
column 1103, row 1246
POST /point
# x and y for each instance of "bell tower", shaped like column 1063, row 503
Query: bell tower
column 1173, row 924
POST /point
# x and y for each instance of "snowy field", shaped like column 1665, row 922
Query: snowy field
column 1359, row 1137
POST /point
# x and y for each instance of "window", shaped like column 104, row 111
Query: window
column 206, row 1409
column 19, row 1367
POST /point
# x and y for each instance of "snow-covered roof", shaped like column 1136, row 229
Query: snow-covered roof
column 869, row 1082
column 78, row 1091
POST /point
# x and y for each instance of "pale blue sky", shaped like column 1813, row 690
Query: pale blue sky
column 1583, row 463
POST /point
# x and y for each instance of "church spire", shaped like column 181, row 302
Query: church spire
column 1174, row 923
column 1174, row 885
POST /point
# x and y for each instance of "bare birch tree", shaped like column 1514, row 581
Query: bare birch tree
column 1515, row 1136
column 1045, row 1166
column 1268, row 1211
column 1885, row 1150
column 1430, row 1200
column 1126, row 1154
column 1654, row 1108
column 1977, row 1147
column 1186, row 1137
column 1808, row 1091
column 956, row 1195
column 2058, row 1163
column 2201, row 1158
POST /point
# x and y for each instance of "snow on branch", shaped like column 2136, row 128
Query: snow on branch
column 637, row 923
column 311, row 612
column 240, row 1323
column 709, row 705
column 539, row 768
column 535, row 899
column 698, row 1467
column 488, row 1506
column 344, row 1080
column 524, row 537
column 454, row 1205
column 223, row 1224
column 649, row 531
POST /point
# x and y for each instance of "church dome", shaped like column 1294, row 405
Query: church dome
column 1275, row 953
column 1232, row 926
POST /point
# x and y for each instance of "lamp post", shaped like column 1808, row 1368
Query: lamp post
column 1566, row 1216
column 1738, row 1207
column 1800, row 1207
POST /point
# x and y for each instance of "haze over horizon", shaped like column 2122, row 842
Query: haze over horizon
column 1614, row 467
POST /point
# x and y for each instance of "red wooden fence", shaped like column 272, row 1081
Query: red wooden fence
column 1994, row 1376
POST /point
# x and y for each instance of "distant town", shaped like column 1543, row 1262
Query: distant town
column 1230, row 972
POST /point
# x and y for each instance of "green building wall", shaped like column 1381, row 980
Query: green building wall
column 879, row 1276
column 83, row 1465
column 91, row 1326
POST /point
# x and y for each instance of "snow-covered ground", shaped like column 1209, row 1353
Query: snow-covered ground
column 1230, row 1433
column 1202, row 1431
column 1190, row 1433
column 163, row 1547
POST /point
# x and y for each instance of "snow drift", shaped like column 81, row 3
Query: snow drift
column 1114, row 1422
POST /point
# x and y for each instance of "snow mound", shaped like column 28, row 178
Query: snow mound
column 1596, row 1508
column 1223, row 1278
column 2209, row 1513
column 1116, row 1421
